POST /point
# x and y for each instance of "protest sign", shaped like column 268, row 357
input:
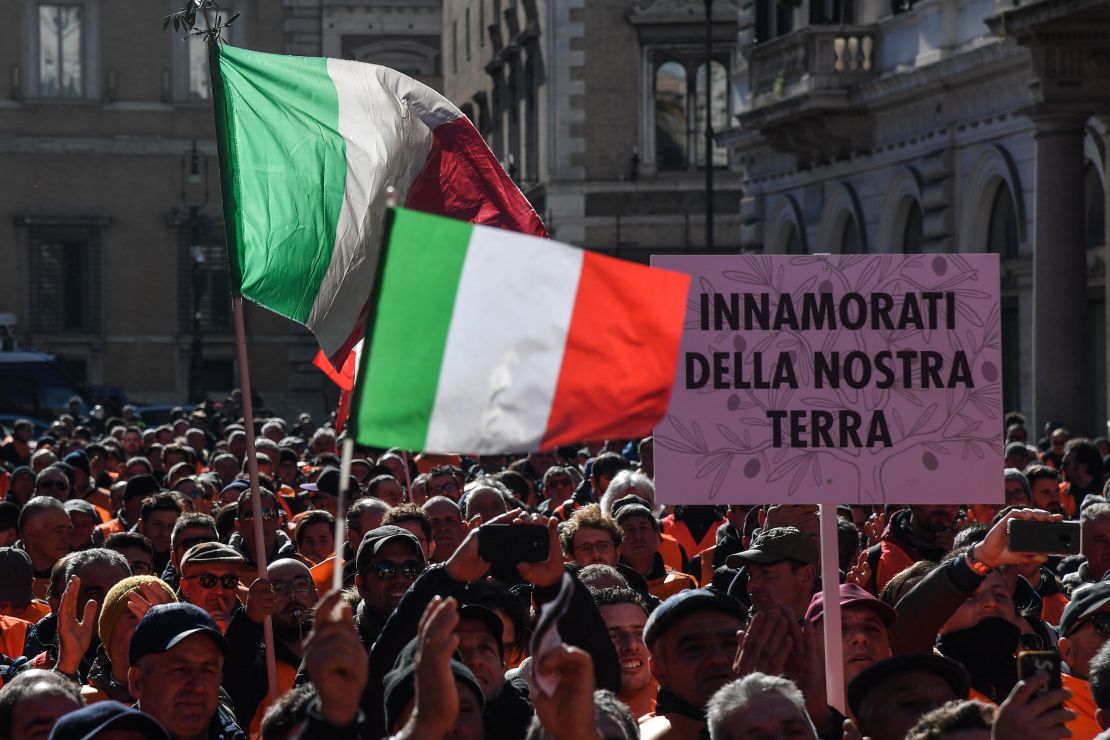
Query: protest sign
column 835, row 379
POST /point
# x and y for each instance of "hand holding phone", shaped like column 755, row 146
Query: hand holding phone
column 1034, row 710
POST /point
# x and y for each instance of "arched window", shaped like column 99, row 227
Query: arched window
column 913, row 238
column 850, row 242
column 1094, row 207
column 1002, row 231
column 793, row 241
column 670, row 117
column 719, row 88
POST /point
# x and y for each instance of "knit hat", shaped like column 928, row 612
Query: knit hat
column 115, row 603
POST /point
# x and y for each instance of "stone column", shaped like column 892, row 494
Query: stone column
column 1059, row 271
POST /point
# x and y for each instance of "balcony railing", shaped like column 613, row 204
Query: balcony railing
column 810, row 59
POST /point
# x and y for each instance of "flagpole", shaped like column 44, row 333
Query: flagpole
column 256, row 497
column 340, row 510
column 830, row 585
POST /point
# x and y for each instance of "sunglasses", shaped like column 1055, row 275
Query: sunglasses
column 387, row 571
column 188, row 542
column 1101, row 623
column 209, row 580
column 248, row 515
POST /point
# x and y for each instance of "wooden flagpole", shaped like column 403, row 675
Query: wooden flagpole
column 256, row 498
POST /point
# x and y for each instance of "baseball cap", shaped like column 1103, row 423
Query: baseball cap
column 83, row 506
column 78, row 459
column 166, row 625
column 851, row 595
column 142, row 485
column 1085, row 600
column 16, row 576
column 88, row 722
column 487, row 618
column 328, row 483
column 376, row 539
column 776, row 545
column 210, row 552
column 684, row 603
column 952, row 672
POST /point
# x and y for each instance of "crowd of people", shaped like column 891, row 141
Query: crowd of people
column 132, row 603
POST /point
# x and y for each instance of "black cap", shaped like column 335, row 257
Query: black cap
column 488, row 619
column 165, row 625
column 400, row 683
column 952, row 672
column 287, row 454
column 684, row 603
column 328, row 483
column 88, row 722
column 78, row 459
column 1085, row 600
column 142, row 485
column 376, row 539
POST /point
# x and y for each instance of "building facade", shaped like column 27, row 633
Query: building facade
column 597, row 110
column 942, row 126
column 111, row 230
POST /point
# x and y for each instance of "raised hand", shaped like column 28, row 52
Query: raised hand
column 335, row 660
column 74, row 635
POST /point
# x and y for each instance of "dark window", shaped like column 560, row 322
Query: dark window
column 64, row 271
column 60, row 50
column 670, row 116
column 202, row 277
column 913, row 238
column 218, row 375
column 1002, row 234
column 719, row 87
column 1095, row 206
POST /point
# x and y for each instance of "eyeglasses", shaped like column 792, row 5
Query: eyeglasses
column 603, row 547
column 451, row 487
column 53, row 485
column 248, row 515
column 140, row 568
column 229, row 581
column 283, row 588
column 188, row 542
column 1101, row 623
column 387, row 571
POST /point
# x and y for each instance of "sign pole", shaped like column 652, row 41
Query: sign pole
column 341, row 509
column 830, row 584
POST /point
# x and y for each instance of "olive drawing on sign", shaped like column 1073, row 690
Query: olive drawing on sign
column 929, row 460
column 990, row 372
column 739, row 343
column 751, row 468
column 733, row 402
column 940, row 265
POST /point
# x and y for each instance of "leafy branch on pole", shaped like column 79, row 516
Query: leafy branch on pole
column 185, row 20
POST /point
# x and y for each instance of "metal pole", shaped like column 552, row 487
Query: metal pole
column 709, row 125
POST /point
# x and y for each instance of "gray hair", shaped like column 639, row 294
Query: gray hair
column 1094, row 513
column 624, row 483
column 95, row 556
column 740, row 693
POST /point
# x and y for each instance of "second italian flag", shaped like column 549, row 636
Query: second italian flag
column 481, row 340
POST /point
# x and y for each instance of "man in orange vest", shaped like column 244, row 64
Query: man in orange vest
column 915, row 533
column 1084, row 628
column 695, row 527
column 640, row 551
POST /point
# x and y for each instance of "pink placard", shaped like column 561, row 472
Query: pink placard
column 835, row 379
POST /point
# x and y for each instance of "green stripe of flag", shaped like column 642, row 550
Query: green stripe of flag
column 284, row 175
column 407, row 329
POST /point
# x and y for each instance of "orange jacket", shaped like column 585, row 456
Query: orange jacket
column 13, row 633
column 685, row 537
column 1083, row 704
column 670, row 584
column 892, row 561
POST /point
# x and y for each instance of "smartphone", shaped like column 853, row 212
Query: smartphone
column 1032, row 662
column 1049, row 538
column 514, row 543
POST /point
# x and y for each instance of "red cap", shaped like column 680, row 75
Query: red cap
column 851, row 594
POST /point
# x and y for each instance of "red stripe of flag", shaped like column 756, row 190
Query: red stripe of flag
column 621, row 354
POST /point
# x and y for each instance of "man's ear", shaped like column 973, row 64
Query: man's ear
column 657, row 670
column 135, row 682
column 1066, row 650
column 359, row 585
column 761, row 516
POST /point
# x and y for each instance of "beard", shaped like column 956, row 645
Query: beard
column 290, row 629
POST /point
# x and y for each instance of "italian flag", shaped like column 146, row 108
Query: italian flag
column 308, row 147
column 480, row 340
